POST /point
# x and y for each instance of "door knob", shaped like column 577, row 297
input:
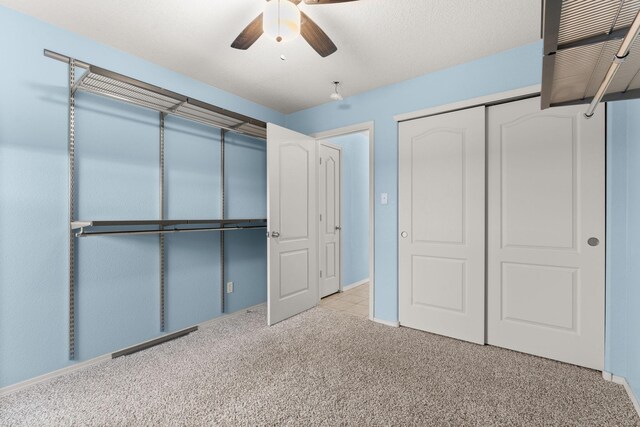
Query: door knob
column 404, row 234
column 275, row 234
column 338, row 227
column 593, row 241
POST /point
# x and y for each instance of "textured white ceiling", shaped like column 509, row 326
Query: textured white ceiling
column 379, row 41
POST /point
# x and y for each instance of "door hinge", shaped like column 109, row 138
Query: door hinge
column 321, row 274
column 320, row 217
column 320, row 160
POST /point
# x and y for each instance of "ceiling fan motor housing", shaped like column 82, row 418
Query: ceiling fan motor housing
column 281, row 20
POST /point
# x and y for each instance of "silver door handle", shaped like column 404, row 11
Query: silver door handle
column 404, row 234
column 593, row 241
column 275, row 234
column 338, row 227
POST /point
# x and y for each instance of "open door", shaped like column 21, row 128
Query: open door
column 292, row 214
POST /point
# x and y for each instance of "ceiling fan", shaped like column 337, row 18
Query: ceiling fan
column 282, row 20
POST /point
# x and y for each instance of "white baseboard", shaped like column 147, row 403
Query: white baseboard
column 623, row 381
column 355, row 284
column 53, row 374
column 392, row 323
column 105, row 357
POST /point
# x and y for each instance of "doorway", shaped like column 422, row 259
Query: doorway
column 293, row 260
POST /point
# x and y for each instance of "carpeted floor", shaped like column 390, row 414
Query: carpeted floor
column 322, row 368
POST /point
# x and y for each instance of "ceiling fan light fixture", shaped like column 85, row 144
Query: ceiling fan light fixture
column 281, row 20
column 336, row 96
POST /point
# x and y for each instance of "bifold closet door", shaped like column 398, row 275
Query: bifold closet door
column 292, row 214
column 546, row 211
column 442, row 224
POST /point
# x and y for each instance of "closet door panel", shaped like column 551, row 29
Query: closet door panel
column 442, row 232
column 546, row 204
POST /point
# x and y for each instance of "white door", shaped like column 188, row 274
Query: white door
column 442, row 224
column 546, row 205
column 329, row 195
column 292, row 222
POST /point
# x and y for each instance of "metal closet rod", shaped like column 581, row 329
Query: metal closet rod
column 620, row 57
column 82, row 233
column 179, row 99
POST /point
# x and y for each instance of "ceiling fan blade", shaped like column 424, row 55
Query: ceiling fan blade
column 317, row 38
column 326, row 1
column 249, row 35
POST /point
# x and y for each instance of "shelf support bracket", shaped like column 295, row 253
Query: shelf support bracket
column 74, row 88
column 222, row 216
column 72, row 242
column 161, row 235
column 173, row 108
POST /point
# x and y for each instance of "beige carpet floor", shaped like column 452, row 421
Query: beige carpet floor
column 322, row 368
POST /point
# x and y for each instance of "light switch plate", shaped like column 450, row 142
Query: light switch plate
column 229, row 287
column 384, row 199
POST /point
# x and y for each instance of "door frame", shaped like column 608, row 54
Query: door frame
column 346, row 130
column 340, row 216
column 487, row 100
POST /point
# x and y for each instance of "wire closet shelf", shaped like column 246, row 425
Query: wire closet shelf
column 107, row 83
column 591, row 52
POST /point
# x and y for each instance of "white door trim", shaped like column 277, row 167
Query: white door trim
column 495, row 98
column 363, row 127
column 340, row 216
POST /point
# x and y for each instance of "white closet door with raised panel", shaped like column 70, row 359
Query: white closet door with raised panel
column 292, row 222
column 442, row 224
column 546, row 219
column 330, row 184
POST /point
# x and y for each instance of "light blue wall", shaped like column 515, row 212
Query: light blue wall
column 623, row 241
column 504, row 71
column 117, row 172
column 246, row 197
column 355, row 206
